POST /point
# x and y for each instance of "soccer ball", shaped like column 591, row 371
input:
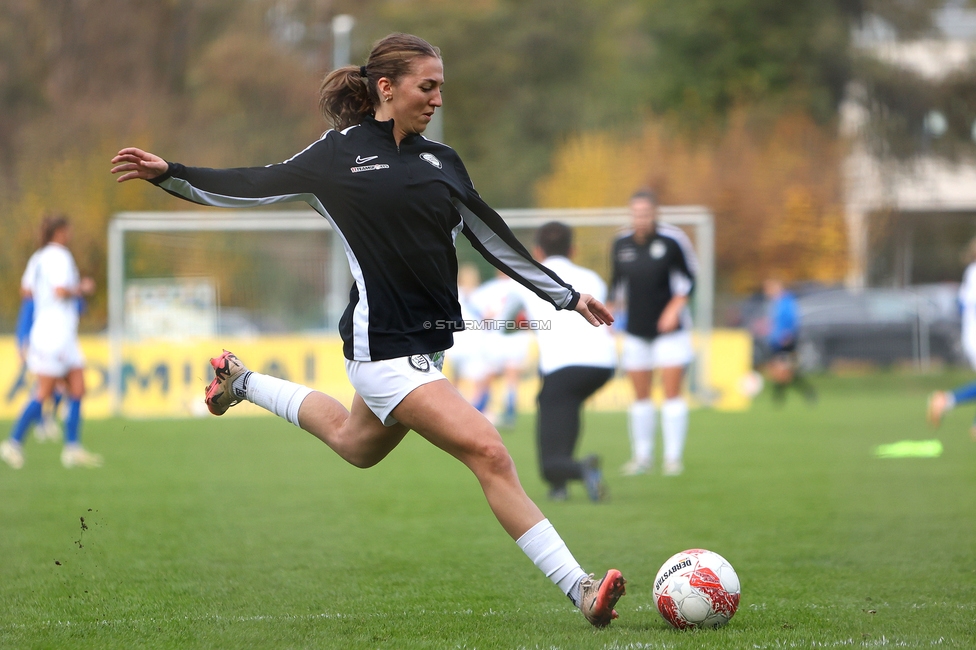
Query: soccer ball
column 696, row 588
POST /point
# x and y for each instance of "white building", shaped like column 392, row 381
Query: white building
column 921, row 188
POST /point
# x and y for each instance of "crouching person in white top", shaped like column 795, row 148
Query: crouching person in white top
column 575, row 360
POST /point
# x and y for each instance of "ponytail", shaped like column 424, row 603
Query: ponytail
column 344, row 97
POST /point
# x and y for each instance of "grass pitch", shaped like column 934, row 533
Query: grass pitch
column 250, row 533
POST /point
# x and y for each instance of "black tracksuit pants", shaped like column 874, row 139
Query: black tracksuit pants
column 560, row 401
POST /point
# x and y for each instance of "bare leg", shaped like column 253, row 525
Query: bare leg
column 357, row 436
column 641, row 380
column 441, row 415
column 75, row 381
column 671, row 379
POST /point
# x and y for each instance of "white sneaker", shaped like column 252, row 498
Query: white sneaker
column 78, row 456
column 635, row 468
column 672, row 468
column 11, row 453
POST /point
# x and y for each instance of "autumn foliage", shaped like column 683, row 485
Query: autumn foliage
column 774, row 188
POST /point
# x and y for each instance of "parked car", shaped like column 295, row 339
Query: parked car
column 919, row 324
column 884, row 326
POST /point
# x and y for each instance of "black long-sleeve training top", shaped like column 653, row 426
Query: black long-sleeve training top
column 651, row 273
column 398, row 211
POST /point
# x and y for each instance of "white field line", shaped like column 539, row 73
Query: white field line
column 273, row 618
column 776, row 644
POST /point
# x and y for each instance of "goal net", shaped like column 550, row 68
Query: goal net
column 227, row 275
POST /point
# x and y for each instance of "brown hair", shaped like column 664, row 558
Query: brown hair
column 50, row 224
column 554, row 238
column 645, row 194
column 347, row 95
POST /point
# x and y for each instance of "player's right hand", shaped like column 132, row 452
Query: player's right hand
column 136, row 163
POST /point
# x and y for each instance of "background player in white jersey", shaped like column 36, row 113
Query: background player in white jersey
column 467, row 361
column 505, row 351
column 654, row 268
column 940, row 402
column 47, row 428
column 575, row 361
column 53, row 352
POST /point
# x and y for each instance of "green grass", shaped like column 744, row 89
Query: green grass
column 249, row 533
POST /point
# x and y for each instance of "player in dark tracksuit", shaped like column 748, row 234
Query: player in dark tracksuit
column 654, row 269
column 398, row 201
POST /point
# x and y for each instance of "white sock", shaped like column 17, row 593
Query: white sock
column 641, row 421
column 548, row 551
column 674, row 427
column 281, row 397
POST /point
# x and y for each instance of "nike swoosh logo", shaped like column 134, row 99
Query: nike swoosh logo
column 360, row 160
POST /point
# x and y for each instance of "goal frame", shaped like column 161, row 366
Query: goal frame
column 699, row 218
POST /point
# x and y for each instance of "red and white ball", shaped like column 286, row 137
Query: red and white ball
column 696, row 588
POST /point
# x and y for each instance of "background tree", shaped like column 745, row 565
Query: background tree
column 688, row 90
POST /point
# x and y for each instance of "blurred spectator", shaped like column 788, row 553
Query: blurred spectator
column 784, row 332
column 940, row 402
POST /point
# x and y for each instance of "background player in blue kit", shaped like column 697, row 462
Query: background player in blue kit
column 784, row 333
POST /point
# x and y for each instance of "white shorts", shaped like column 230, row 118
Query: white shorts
column 384, row 384
column 54, row 360
column 665, row 351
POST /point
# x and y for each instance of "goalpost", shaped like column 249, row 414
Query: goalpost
column 594, row 228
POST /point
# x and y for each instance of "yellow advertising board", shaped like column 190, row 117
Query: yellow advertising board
column 167, row 378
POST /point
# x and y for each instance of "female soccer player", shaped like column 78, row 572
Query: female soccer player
column 398, row 201
column 52, row 352
column 943, row 401
column 654, row 267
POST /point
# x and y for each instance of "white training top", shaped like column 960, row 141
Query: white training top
column 569, row 340
column 967, row 300
column 55, row 318
column 30, row 273
column 490, row 300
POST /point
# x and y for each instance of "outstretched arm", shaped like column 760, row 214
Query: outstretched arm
column 296, row 179
column 136, row 163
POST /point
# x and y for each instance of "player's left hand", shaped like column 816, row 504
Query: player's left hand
column 594, row 311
